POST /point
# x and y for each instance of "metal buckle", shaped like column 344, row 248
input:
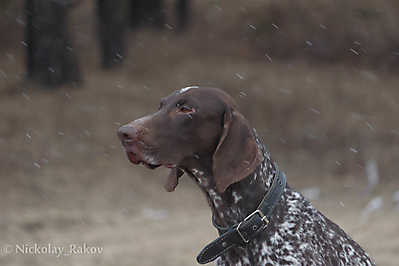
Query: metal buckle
column 261, row 215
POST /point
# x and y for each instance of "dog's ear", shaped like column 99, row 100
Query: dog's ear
column 237, row 154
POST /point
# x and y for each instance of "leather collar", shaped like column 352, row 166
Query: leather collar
column 242, row 233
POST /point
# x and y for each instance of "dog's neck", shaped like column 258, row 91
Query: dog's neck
column 240, row 199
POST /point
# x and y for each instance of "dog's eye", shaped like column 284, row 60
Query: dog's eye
column 185, row 109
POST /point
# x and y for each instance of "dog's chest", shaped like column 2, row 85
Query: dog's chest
column 298, row 234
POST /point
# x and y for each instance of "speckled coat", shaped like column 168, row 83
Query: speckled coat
column 298, row 234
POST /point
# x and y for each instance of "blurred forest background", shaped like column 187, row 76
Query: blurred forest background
column 317, row 79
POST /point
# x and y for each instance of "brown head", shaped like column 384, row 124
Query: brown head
column 194, row 124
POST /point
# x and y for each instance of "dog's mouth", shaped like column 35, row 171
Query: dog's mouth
column 173, row 177
column 136, row 159
column 137, row 156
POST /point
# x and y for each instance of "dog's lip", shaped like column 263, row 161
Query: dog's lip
column 135, row 159
column 132, row 156
column 135, row 156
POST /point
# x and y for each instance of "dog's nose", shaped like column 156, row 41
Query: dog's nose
column 127, row 133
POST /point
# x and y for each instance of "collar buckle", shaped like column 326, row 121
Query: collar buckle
column 262, row 217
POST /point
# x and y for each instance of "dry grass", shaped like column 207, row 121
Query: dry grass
column 360, row 32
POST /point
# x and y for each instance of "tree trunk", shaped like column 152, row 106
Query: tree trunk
column 50, row 57
column 182, row 10
column 147, row 13
column 112, row 23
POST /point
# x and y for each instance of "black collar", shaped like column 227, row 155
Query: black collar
column 242, row 233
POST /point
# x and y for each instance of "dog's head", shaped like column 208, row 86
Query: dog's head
column 194, row 123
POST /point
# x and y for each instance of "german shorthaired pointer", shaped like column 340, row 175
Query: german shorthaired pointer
column 260, row 219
